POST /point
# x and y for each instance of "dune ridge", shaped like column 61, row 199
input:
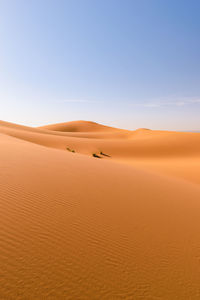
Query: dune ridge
column 77, row 227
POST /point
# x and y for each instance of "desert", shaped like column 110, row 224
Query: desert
column 99, row 150
column 122, row 225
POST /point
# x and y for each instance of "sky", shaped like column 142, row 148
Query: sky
column 125, row 63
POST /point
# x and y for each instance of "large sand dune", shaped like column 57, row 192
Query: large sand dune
column 73, row 226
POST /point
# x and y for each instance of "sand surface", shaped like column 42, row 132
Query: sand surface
column 72, row 226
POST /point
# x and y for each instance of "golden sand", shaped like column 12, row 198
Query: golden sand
column 72, row 226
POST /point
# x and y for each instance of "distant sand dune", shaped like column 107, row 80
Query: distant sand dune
column 76, row 227
column 80, row 126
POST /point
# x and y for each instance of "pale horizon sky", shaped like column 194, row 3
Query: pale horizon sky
column 124, row 63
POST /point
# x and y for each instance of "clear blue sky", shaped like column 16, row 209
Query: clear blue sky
column 127, row 63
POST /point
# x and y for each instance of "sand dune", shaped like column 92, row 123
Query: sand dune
column 173, row 153
column 73, row 226
column 80, row 126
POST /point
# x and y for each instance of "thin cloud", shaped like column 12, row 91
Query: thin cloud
column 195, row 101
column 177, row 103
column 79, row 101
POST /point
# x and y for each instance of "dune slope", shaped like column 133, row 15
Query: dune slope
column 76, row 227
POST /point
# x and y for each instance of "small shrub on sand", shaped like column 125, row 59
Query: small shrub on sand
column 104, row 154
column 96, row 155
column 70, row 150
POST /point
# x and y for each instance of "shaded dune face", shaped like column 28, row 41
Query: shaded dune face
column 73, row 226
